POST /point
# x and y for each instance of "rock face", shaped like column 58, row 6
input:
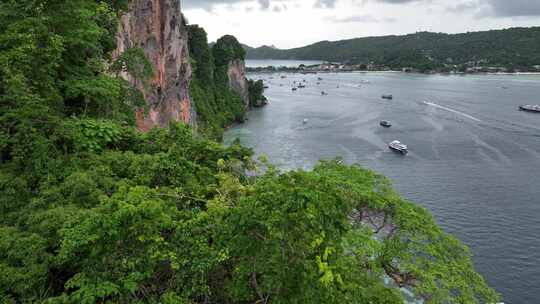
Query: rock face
column 157, row 26
column 237, row 79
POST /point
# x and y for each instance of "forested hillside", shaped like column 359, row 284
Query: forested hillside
column 217, row 106
column 95, row 211
column 516, row 48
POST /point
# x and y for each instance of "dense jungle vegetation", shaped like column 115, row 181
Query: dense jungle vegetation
column 93, row 211
column 217, row 106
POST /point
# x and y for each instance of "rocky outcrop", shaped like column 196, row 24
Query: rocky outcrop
column 157, row 26
column 237, row 79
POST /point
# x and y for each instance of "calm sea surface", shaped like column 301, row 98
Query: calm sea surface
column 474, row 159
column 256, row 63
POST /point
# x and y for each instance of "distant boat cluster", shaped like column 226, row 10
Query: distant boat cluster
column 395, row 145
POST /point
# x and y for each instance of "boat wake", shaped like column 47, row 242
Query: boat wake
column 451, row 110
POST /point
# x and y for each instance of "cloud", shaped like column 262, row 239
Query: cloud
column 265, row 4
column 325, row 3
column 398, row 1
column 515, row 8
column 463, row 7
column 498, row 8
column 359, row 19
column 485, row 8
column 207, row 4
column 210, row 4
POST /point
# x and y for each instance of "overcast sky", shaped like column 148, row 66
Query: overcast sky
column 294, row 23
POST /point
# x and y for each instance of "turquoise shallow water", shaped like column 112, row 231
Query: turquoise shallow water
column 474, row 159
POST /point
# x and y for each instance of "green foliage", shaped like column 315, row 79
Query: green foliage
column 201, row 53
column 91, row 135
column 512, row 48
column 95, row 212
column 53, row 59
column 134, row 62
column 256, row 90
column 165, row 215
column 226, row 49
column 217, row 105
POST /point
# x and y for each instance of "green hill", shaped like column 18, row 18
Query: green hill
column 512, row 48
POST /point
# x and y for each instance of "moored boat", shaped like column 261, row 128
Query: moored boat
column 398, row 147
column 387, row 96
column 385, row 124
column 530, row 108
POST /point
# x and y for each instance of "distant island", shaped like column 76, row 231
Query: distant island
column 508, row 51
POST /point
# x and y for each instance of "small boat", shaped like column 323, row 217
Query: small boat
column 294, row 89
column 283, row 76
column 398, row 147
column 387, row 96
column 319, row 78
column 305, row 121
column 385, row 124
column 530, row 108
column 323, row 93
column 301, row 86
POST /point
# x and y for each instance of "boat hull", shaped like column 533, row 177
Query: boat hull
column 522, row 108
column 401, row 151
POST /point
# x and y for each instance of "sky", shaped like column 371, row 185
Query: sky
column 295, row 23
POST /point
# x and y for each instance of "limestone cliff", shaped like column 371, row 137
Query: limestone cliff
column 236, row 73
column 157, row 26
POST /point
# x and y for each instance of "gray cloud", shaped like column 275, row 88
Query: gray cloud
column 360, row 19
column 511, row 8
column 209, row 4
column 265, row 4
column 498, row 8
column 206, row 4
column 398, row 1
column 325, row 3
column 486, row 8
column 463, row 7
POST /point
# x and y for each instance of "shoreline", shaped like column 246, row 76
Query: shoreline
column 395, row 72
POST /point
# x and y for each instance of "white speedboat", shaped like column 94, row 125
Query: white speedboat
column 385, row 123
column 398, row 147
column 530, row 108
